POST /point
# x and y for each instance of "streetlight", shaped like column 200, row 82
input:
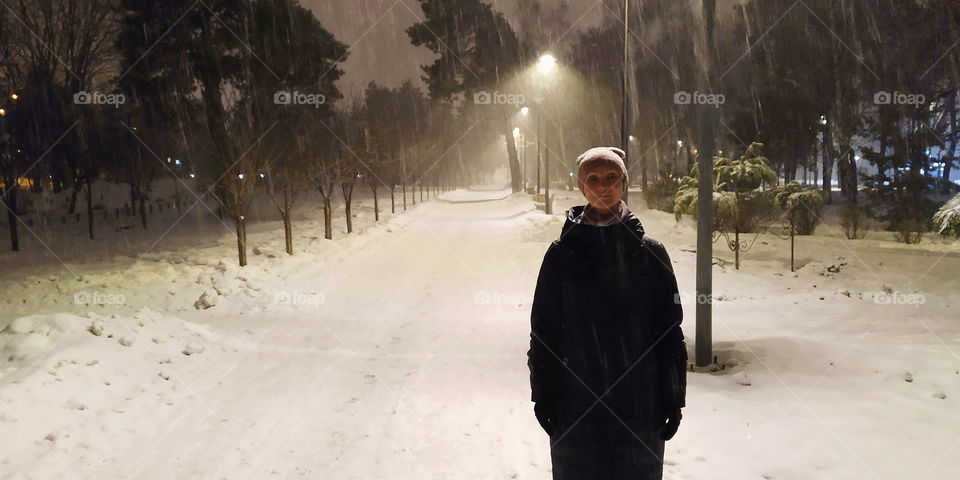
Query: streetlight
column 545, row 66
column 525, row 111
column 547, row 63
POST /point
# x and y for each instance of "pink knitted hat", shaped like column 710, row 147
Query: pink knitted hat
column 598, row 155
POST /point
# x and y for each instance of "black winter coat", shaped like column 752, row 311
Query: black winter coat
column 605, row 322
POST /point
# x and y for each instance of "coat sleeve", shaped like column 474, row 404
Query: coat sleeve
column 672, row 349
column 544, row 358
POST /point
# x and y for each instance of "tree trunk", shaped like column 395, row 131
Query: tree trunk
column 882, row 163
column 828, row 161
column 512, row 157
column 403, row 179
column 89, row 198
column 347, row 189
column 143, row 210
column 376, row 204
column 327, row 217
column 287, row 227
column 952, row 151
column 77, row 186
column 288, row 232
column 11, row 203
column 241, row 240
column 393, row 200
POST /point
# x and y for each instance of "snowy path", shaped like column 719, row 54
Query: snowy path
column 399, row 352
column 411, row 383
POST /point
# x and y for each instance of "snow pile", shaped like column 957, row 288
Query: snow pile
column 65, row 377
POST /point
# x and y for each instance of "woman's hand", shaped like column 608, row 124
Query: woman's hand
column 670, row 423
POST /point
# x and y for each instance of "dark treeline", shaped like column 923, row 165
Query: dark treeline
column 240, row 98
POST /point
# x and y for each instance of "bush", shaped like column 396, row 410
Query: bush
column 753, row 209
column 661, row 193
column 741, row 176
column 803, row 204
column 908, row 230
column 853, row 220
column 910, row 218
column 685, row 203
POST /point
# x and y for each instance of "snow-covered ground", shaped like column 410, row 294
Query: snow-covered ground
column 399, row 352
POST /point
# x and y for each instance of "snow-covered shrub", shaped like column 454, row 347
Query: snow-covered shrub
column 802, row 203
column 737, row 204
column 947, row 219
column 746, row 173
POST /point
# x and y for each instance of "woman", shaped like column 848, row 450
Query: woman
column 607, row 356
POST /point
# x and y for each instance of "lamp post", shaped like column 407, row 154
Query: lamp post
column 545, row 66
column 624, row 107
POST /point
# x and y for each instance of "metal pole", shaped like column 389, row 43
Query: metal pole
column 546, row 173
column 523, row 139
column 791, row 241
column 707, row 147
column 624, row 107
column 539, row 147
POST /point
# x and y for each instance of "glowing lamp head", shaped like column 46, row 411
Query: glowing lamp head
column 547, row 63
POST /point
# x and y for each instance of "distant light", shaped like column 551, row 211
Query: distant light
column 823, row 119
column 632, row 138
column 3, row 111
column 856, row 158
column 14, row 96
column 192, row 175
column 525, row 111
column 177, row 161
column 516, row 132
column 719, row 152
column 680, row 143
column 168, row 159
column 571, row 174
column 547, row 63
column 263, row 175
column 240, row 176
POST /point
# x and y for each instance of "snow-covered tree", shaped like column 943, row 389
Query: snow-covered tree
column 947, row 219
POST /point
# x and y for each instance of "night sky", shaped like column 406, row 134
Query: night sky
column 381, row 49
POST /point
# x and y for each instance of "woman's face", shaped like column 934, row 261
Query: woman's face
column 602, row 185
